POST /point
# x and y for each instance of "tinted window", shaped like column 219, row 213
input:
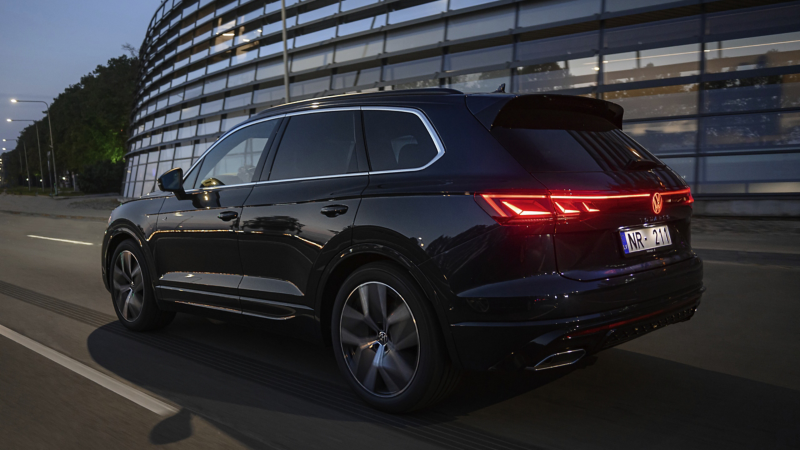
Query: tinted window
column 397, row 140
column 234, row 160
column 316, row 145
column 559, row 141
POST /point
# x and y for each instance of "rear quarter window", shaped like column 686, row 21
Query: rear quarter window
column 397, row 140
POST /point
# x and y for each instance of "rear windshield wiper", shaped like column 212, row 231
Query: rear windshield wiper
column 642, row 164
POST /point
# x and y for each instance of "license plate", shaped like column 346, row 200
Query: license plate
column 642, row 239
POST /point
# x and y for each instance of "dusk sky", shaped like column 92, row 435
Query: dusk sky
column 50, row 44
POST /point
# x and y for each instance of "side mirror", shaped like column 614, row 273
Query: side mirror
column 172, row 181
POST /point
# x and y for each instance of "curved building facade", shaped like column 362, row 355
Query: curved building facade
column 711, row 87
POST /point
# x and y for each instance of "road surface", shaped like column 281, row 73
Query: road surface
column 729, row 378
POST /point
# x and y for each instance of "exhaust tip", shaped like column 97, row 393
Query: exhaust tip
column 559, row 360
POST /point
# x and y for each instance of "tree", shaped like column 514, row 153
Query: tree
column 90, row 119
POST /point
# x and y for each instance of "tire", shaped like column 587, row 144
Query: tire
column 132, row 291
column 377, row 351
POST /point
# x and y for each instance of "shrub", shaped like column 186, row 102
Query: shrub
column 102, row 177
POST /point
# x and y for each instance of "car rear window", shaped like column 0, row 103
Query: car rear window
column 578, row 142
column 397, row 140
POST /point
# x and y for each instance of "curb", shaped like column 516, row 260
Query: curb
column 54, row 216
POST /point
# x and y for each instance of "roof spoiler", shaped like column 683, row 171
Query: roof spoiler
column 495, row 110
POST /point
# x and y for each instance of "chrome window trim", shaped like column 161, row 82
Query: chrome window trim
column 437, row 142
column 228, row 133
column 420, row 115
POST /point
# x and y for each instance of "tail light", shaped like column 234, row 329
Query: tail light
column 517, row 209
column 545, row 206
column 681, row 197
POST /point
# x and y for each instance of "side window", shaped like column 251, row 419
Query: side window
column 234, row 160
column 317, row 144
column 397, row 140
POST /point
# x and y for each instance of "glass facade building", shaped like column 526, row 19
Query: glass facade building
column 711, row 87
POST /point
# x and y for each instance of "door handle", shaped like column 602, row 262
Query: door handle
column 333, row 210
column 227, row 216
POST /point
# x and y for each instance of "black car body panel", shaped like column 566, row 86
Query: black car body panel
column 274, row 250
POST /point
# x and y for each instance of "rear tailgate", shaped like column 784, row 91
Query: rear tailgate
column 601, row 183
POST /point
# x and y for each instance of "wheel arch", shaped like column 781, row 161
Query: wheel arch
column 354, row 257
column 116, row 236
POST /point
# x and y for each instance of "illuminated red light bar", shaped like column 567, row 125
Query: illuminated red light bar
column 542, row 206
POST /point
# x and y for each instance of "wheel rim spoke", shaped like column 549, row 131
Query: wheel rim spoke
column 128, row 286
column 379, row 339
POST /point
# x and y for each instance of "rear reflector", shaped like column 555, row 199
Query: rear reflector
column 544, row 206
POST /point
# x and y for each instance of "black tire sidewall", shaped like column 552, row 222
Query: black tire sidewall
column 430, row 346
column 150, row 309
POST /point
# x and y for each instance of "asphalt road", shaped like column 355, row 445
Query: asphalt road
column 729, row 378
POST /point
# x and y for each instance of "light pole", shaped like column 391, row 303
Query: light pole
column 38, row 144
column 50, row 124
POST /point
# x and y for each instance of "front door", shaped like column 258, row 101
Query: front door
column 302, row 211
column 196, row 244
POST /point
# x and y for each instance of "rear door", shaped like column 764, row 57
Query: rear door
column 303, row 210
column 619, row 209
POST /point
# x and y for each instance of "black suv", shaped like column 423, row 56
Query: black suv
column 419, row 233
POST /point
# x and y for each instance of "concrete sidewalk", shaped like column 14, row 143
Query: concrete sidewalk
column 90, row 207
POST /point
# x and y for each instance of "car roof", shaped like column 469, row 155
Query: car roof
column 410, row 96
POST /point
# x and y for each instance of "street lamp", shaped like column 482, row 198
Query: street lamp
column 50, row 124
column 38, row 144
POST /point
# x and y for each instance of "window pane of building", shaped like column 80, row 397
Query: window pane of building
column 541, row 13
column 215, row 84
column 356, row 78
column 743, row 94
column 750, row 174
column 777, row 50
column 494, row 21
column 412, row 68
column 357, row 49
column 209, row 126
column 211, row 106
column 415, row 12
column 331, row 150
column 557, row 47
column 418, row 36
column 242, row 76
column 674, row 136
column 753, row 19
column 684, row 167
column 751, row 131
column 652, row 33
column 236, row 101
column 621, row 5
column 311, row 60
column 461, row 4
column 478, row 58
column 308, row 87
column 678, row 100
column 269, row 95
column 576, row 73
column 653, row 64
column 233, row 119
column 480, row 82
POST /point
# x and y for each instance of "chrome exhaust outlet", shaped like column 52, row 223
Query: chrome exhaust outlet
column 559, row 360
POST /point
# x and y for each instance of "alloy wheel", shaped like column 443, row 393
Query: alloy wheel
column 128, row 286
column 379, row 339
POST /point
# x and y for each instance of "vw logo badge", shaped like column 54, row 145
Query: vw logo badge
column 657, row 203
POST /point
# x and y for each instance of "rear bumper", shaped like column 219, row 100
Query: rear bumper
column 518, row 345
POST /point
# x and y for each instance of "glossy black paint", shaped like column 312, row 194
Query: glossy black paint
column 498, row 291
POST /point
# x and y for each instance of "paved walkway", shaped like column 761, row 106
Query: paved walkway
column 96, row 207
